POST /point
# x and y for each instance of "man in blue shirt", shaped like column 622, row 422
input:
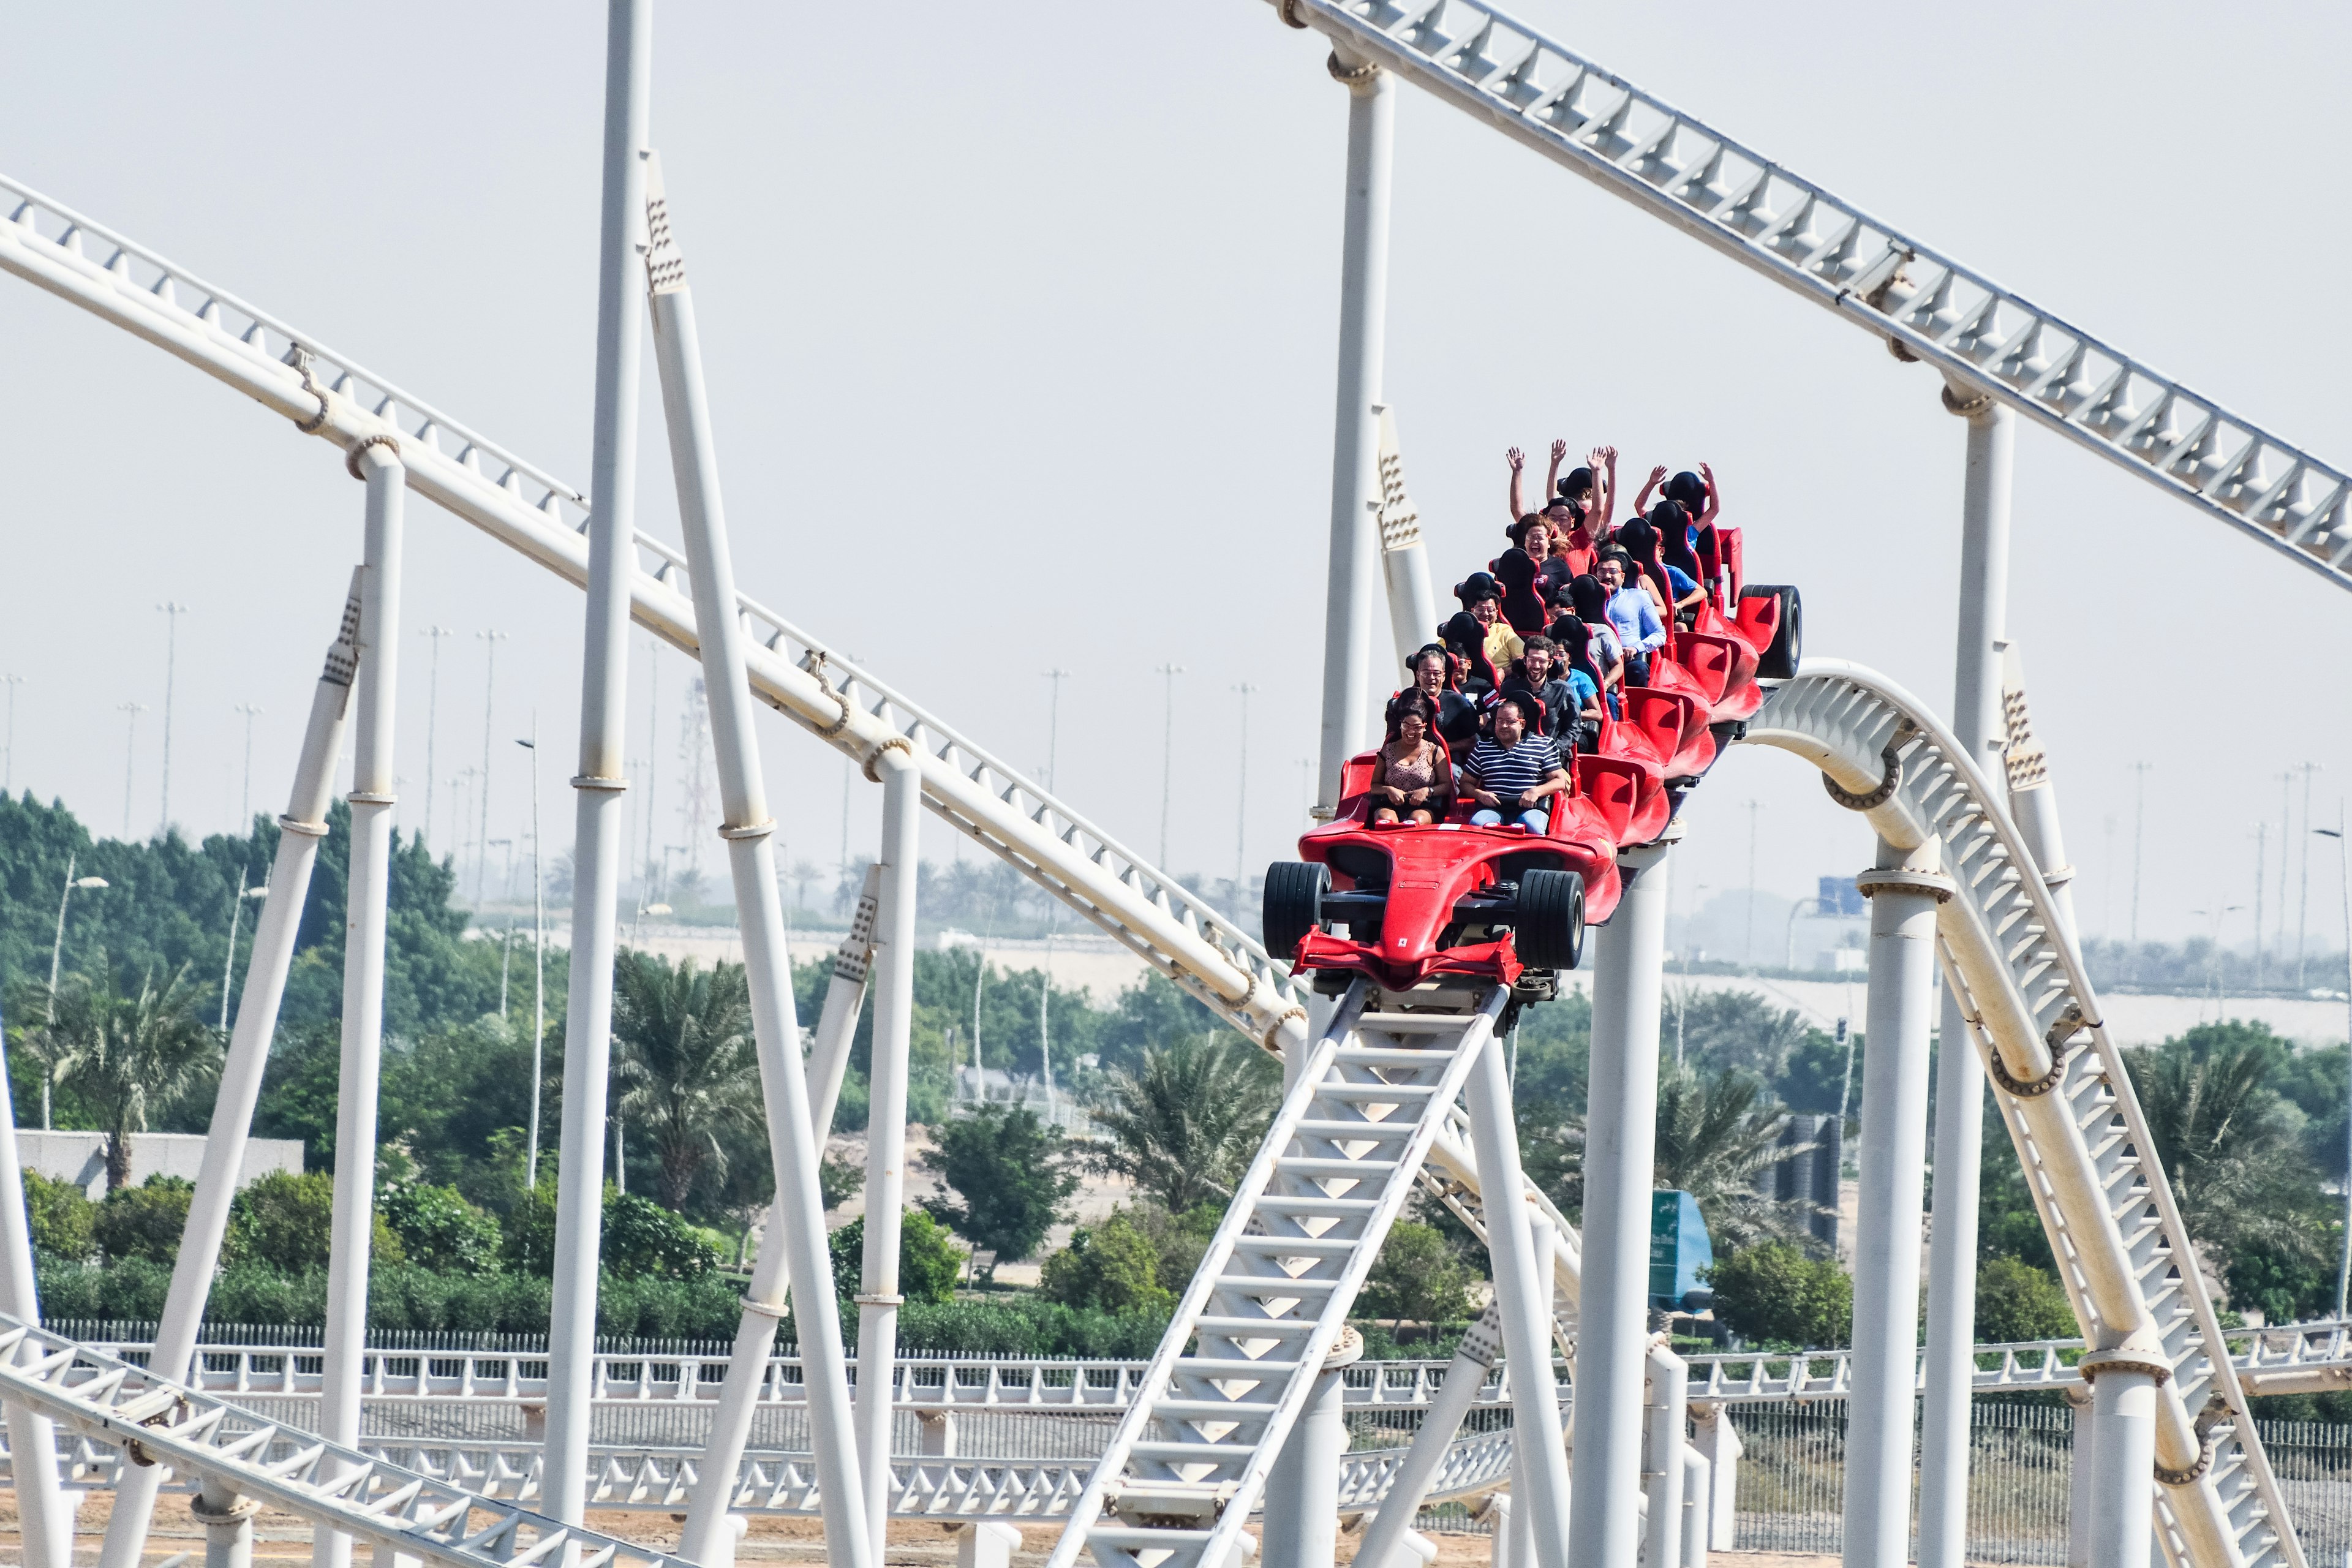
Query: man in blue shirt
column 1633, row 618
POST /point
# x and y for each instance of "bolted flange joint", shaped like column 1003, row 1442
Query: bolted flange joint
column 1894, row 879
column 352, row 458
column 1967, row 407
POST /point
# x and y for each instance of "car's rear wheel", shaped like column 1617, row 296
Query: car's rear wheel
column 1548, row 930
column 1779, row 662
column 1294, row 903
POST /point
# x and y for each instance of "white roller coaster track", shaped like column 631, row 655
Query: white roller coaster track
column 524, row 507
column 1709, row 184
column 2126, row 1260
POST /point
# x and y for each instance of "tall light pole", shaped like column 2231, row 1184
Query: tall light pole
column 653, row 774
column 538, row 961
column 8, row 764
column 56, row 959
column 1241, row 809
column 490, row 641
column 1749, row 951
column 2344, row 881
column 236, row 912
column 432, row 715
column 1168, row 674
column 2303, row 914
column 2139, row 838
column 173, row 610
column 130, row 756
column 1054, row 721
column 251, row 711
column 2262, row 860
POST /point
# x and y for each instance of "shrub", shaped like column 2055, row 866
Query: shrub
column 2016, row 1301
column 642, row 1238
column 62, row 1219
column 1416, row 1278
column 287, row 1223
column 1110, row 1267
column 927, row 1261
column 144, row 1221
column 1774, row 1294
column 1024, row 1326
column 130, row 1291
column 438, row 1229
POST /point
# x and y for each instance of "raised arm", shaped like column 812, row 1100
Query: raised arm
column 1714, row 496
column 1551, row 474
column 1519, row 461
column 1603, row 462
column 1641, row 502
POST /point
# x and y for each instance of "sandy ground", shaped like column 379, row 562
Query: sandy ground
column 283, row 1537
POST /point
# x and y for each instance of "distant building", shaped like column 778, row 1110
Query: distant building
column 1807, row 1172
column 80, row 1157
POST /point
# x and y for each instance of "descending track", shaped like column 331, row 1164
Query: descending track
column 1925, row 304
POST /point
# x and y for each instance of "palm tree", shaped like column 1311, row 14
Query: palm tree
column 1713, row 1137
column 127, row 1057
column 1186, row 1126
column 687, row 1061
column 2224, row 1137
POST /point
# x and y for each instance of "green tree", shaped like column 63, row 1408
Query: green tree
column 929, row 1262
column 1184, row 1126
column 144, row 1221
column 1713, row 1137
column 438, row 1229
column 2016, row 1302
column 62, row 1219
column 1011, row 1170
column 686, row 1062
column 286, row 1221
column 1774, row 1295
column 1416, row 1278
column 1111, row 1268
column 127, row 1057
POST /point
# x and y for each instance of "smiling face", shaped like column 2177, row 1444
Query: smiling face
column 1612, row 575
column 1538, row 665
column 1429, row 675
column 1536, row 542
column 1412, row 729
column 1484, row 611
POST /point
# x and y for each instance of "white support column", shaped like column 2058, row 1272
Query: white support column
column 2122, row 1469
column 1302, row 1527
column 885, row 1130
column 2078, row 1480
column 1620, row 1140
column 1903, row 891
column 1714, row 1436
column 352, row 1228
column 1697, row 1498
column 1542, row 1478
column 1480, row 1349
column 1404, row 561
column 1667, row 1410
column 794, row 1141
column 596, row 852
column 227, row 1519
column 1950, row 1367
column 44, row 1519
column 1355, row 565
column 299, row 831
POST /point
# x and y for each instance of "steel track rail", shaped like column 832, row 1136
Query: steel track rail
column 1923, row 301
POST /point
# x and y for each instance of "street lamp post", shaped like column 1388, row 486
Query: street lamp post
column 57, row 958
column 432, row 715
column 2343, row 882
column 490, row 641
column 1796, row 910
column 8, row 760
column 538, row 961
column 1168, row 674
column 1052, row 726
column 130, row 755
column 245, row 818
column 174, row 610
column 228, row 964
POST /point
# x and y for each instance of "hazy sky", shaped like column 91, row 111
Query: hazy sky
column 1020, row 326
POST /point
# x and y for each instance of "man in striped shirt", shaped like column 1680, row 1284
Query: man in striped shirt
column 1511, row 772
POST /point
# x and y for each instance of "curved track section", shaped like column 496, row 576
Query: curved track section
column 528, row 510
column 2126, row 1259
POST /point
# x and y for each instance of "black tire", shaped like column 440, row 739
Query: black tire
column 1779, row 661
column 1293, row 904
column 1548, row 930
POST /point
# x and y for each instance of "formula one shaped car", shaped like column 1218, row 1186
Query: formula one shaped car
column 1453, row 903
